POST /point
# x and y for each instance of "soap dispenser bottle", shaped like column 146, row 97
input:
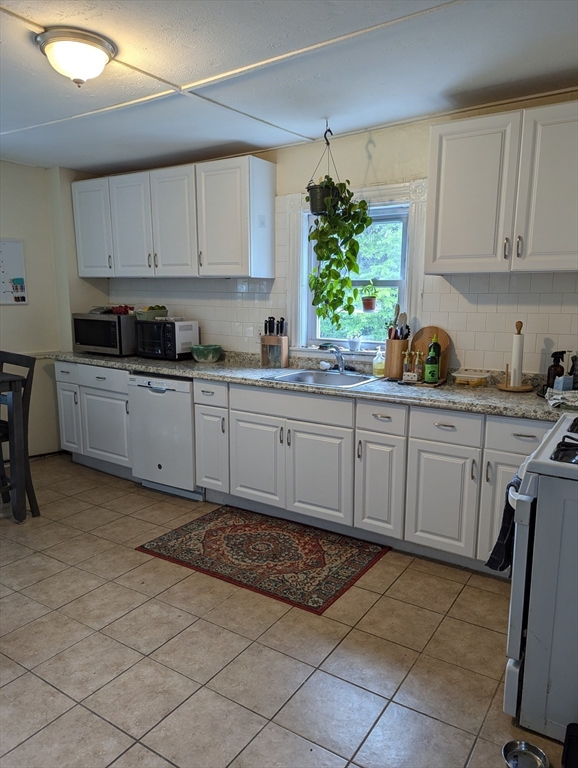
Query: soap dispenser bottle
column 379, row 363
column 555, row 369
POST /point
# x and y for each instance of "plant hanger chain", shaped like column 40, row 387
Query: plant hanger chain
column 327, row 150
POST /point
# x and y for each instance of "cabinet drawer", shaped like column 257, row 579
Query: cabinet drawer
column 320, row 409
column 515, row 435
column 211, row 392
column 382, row 417
column 66, row 372
column 98, row 377
column 446, row 426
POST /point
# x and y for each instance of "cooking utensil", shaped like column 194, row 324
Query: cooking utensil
column 402, row 320
column 395, row 315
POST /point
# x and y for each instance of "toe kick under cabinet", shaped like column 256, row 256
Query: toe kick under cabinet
column 293, row 451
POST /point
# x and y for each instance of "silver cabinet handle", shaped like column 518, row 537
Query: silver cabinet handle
column 75, row 399
column 110, row 262
column 488, row 472
column 289, row 437
column 149, row 260
column 101, row 378
column 519, row 243
column 223, row 425
column 522, row 434
column 381, row 417
column 126, row 406
column 506, row 247
column 200, row 258
column 156, row 260
column 207, row 392
column 359, row 449
column 66, row 372
column 472, row 472
column 444, row 426
column 281, row 435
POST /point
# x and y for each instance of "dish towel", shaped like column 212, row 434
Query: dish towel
column 501, row 555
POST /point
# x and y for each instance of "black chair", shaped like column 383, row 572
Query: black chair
column 26, row 362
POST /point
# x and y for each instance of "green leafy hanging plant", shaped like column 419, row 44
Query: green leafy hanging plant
column 336, row 247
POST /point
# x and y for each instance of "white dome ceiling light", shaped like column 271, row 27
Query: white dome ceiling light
column 75, row 53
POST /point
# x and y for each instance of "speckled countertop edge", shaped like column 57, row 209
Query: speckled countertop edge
column 483, row 400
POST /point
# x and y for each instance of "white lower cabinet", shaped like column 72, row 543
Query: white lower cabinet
column 442, row 496
column 380, row 483
column 319, row 476
column 499, row 469
column 212, row 447
column 69, row 416
column 105, row 425
column 257, row 451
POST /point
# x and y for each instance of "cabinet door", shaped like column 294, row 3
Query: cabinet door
column 320, row 471
column 130, row 205
column 499, row 469
column 546, row 232
column 174, row 221
column 105, row 425
column 442, row 496
column 69, row 417
column 223, row 217
column 257, row 456
column 212, row 447
column 472, row 184
column 91, row 203
column 380, row 483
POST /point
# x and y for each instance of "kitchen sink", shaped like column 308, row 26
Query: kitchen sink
column 323, row 378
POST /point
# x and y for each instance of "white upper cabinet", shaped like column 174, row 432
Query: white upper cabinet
column 236, row 213
column 130, row 205
column 92, row 227
column 174, row 221
column 503, row 193
column 546, row 231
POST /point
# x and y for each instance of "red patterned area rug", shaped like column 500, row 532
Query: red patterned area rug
column 295, row 563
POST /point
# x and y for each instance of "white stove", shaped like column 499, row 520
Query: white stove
column 541, row 688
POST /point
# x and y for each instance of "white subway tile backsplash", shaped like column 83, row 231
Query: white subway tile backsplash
column 479, row 284
column 520, row 283
column 449, row 302
column 559, row 323
column 440, row 319
column 537, row 323
column 550, row 302
column 499, row 283
column 484, row 341
column 569, row 303
column 495, row 322
column 458, row 321
column 431, row 302
column 565, row 282
column 460, row 283
column 487, row 302
column 476, row 321
column 503, row 342
column 468, row 302
column 474, row 359
column 506, row 302
column 440, row 284
column 542, row 282
column 465, row 339
column 494, row 361
column 568, row 342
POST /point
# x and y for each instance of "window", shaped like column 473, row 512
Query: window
column 382, row 259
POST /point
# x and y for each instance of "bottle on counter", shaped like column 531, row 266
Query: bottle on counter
column 379, row 363
column 407, row 363
column 432, row 363
column 418, row 365
column 556, row 369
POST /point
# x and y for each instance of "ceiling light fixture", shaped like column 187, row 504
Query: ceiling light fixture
column 75, row 53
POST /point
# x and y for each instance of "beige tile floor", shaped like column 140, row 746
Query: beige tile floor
column 110, row 657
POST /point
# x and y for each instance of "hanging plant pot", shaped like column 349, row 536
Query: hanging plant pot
column 368, row 303
column 317, row 194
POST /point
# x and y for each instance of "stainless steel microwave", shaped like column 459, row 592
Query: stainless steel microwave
column 104, row 334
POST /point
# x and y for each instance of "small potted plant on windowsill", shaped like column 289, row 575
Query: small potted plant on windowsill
column 354, row 341
column 368, row 297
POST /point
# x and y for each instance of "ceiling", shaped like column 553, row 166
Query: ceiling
column 195, row 79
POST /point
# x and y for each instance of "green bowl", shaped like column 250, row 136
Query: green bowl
column 206, row 353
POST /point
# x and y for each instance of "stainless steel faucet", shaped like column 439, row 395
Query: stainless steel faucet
column 338, row 356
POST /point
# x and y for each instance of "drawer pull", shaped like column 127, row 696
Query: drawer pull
column 488, row 472
column 473, row 470
column 156, row 260
column 207, row 392
column 66, row 372
column 359, row 449
column 126, row 406
column 110, row 262
column 506, row 247
column 444, row 426
column 75, row 399
column 101, row 378
column 289, row 437
column 381, row 417
column 523, row 434
column 149, row 261
column 519, row 247
column 281, row 435
column 223, row 425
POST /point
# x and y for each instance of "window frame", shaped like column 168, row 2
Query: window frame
column 379, row 211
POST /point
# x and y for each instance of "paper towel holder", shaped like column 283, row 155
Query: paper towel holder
column 506, row 387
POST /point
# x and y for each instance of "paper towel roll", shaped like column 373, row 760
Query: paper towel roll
column 517, row 358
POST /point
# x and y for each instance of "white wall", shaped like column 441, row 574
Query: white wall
column 36, row 207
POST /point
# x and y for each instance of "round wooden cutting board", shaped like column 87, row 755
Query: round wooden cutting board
column 423, row 338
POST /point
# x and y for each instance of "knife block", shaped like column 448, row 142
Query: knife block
column 394, row 349
column 274, row 351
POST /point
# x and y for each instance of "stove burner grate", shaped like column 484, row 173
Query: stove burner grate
column 574, row 426
column 566, row 450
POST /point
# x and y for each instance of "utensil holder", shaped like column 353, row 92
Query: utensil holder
column 394, row 350
column 274, row 351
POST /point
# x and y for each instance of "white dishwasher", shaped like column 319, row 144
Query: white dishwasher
column 162, row 431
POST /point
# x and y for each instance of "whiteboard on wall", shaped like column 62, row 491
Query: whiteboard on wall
column 12, row 275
